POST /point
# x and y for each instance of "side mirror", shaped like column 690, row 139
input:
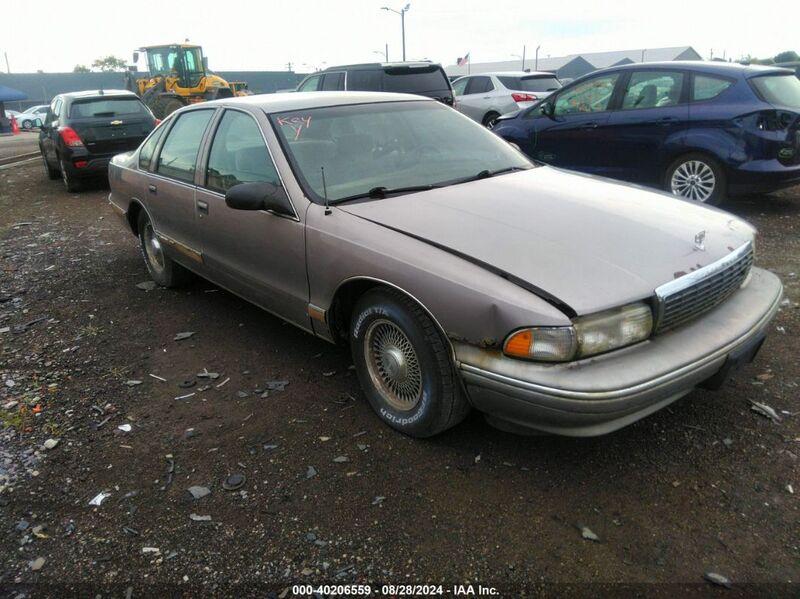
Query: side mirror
column 259, row 196
column 548, row 109
column 135, row 57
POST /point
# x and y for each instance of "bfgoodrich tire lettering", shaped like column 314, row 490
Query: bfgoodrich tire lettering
column 404, row 365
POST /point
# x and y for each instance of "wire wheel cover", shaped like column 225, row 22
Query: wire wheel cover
column 393, row 365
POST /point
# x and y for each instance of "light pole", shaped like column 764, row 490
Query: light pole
column 536, row 61
column 402, row 12
column 521, row 57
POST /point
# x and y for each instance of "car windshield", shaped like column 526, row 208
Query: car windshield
column 389, row 146
column 534, row 83
column 106, row 107
column 780, row 90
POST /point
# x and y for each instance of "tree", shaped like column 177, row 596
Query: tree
column 80, row 68
column 787, row 56
column 109, row 64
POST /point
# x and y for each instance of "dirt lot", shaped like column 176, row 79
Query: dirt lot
column 707, row 485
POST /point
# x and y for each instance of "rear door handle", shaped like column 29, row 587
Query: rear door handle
column 202, row 207
column 591, row 125
column 152, row 189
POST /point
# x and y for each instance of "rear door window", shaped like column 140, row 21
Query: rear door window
column 653, row 89
column 779, row 90
column 364, row 80
column 106, row 107
column 238, row 154
column 333, row 82
column 479, row 85
column 706, row 87
column 533, row 83
column 415, row 80
column 178, row 157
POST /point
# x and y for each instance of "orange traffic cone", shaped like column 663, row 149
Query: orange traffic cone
column 14, row 126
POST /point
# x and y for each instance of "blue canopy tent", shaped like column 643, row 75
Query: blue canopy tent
column 8, row 94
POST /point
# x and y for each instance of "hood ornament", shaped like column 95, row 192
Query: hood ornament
column 700, row 241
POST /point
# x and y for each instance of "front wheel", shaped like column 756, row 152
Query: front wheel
column 26, row 124
column 696, row 177
column 404, row 365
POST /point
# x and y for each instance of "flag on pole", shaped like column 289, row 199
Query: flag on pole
column 463, row 61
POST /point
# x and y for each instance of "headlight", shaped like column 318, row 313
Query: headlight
column 589, row 335
column 612, row 329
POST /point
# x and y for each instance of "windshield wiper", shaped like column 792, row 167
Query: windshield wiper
column 380, row 192
column 485, row 174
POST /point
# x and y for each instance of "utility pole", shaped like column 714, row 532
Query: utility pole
column 523, row 57
column 536, row 62
column 289, row 66
column 8, row 68
column 402, row 12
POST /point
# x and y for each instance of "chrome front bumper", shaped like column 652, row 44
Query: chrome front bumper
column 602, row 394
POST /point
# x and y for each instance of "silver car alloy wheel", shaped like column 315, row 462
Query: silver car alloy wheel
column 152, row 248
column 393, row 365
column 694, row 180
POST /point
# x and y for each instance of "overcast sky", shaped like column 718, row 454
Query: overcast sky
column 266, row 35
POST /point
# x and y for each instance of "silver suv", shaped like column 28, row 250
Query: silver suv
column 484, row 97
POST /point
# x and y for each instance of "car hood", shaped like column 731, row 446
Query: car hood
column 582, row 242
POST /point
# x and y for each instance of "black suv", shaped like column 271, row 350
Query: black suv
column 421, row 78
column 82, row 131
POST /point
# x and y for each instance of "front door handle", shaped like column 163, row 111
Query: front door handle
column 202, row 207
column 591, row 125
column 152, row 189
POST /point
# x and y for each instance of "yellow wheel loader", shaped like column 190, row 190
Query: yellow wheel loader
column 177, row 76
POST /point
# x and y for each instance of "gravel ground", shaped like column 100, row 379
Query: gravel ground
column 90, row 361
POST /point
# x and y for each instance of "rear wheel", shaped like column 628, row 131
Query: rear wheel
column 163, row 269
column 404, row 365
column 70, row 182
column 490, row 119
column 697, row 177
column 52, row 173
column 27, row 124
column 166, row 105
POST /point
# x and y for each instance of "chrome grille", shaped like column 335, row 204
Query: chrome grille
column 687, row 297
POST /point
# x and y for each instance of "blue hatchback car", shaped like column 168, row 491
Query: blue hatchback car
column 698, row 129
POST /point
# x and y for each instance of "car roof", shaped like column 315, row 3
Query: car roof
column 510, row 74
column 91, row 93
column 381, row 65
column 271, row 103
column 700, row 66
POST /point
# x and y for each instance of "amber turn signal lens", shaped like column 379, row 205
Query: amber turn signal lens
column 519, row 344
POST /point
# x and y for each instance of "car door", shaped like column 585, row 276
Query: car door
column 259, row 255
column 170, row 189
column 49, row 132
column 573, row 134
column 476, row 100
column 648, row 125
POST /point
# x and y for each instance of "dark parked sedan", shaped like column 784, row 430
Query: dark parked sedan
column 699, row 130
column 82, row 131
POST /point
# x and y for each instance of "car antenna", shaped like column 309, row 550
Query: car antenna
column 325, row 191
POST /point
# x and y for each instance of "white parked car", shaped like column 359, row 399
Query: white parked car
column 485, row 96
column 32, row 117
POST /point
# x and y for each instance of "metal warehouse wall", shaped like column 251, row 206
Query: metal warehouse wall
column 41, row 87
